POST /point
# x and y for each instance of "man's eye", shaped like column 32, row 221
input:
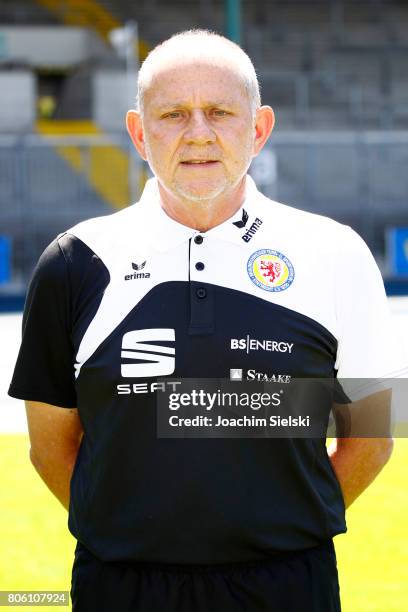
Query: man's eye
column 220, row 113
column 173, row 115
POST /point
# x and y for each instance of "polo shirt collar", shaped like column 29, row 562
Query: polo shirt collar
column 165, row 233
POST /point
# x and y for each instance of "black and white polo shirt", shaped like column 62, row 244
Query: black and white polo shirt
column 120, row 300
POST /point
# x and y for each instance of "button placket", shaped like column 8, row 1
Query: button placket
column 199, row 265
column 201, row 294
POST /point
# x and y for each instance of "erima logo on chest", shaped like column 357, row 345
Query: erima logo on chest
column 242, row 223
column 137, row 274
column 252, row 230
column 246, row 237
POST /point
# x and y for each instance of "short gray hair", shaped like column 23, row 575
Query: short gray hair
column 200, row 45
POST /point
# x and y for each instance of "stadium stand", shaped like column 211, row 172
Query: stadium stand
column 335, row 72
column 334, row 62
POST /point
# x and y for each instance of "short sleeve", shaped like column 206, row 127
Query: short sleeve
column 44, row 370
column 368, row 347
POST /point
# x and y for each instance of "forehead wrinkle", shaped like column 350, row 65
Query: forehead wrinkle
column 177, row 64
column 164, row 73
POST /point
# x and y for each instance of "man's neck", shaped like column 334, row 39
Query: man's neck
column 203, row 215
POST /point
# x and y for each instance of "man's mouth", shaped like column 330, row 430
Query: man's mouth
column 199, row 162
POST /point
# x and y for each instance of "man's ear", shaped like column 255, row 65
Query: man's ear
column 265, row 120
column 135, row 130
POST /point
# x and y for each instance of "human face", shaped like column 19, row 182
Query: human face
column 198, row 113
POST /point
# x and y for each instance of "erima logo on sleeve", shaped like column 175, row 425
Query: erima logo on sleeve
column 158, row 360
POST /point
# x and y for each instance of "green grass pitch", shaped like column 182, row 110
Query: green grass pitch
column 37, row 549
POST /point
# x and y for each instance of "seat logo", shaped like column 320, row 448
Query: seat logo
column 152, row 359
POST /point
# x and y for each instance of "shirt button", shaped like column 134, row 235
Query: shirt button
column 201, row 293
column 198, row 239
column 199, row 266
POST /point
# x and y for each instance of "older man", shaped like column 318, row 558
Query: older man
column 204, row 275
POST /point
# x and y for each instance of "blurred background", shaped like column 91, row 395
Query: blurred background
column 335, row 72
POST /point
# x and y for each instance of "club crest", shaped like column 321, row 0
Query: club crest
column 270, row 270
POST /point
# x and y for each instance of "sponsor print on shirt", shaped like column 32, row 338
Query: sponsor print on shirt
column 143, row 359
column 238, row 374
column 270, row 270
column 248, row 344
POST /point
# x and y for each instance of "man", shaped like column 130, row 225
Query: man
column 203, row 275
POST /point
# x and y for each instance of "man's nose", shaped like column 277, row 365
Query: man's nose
column 199, row 130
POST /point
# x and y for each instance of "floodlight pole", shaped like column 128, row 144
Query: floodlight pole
column 233, row 20
column 131, row 55
column 126, row 42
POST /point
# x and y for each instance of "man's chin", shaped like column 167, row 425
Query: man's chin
column 202, row 196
